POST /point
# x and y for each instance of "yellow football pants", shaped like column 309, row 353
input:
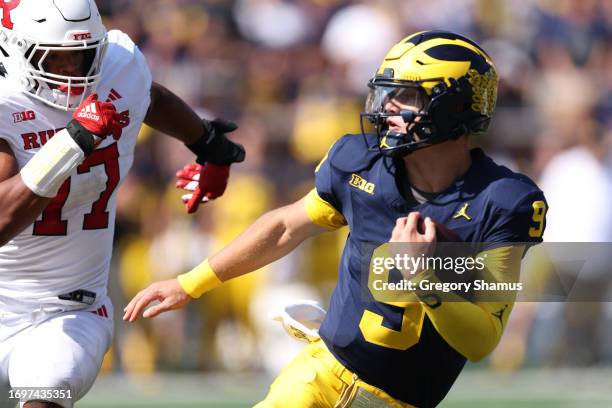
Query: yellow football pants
column 315, row 379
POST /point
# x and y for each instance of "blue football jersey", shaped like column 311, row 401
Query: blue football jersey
column 490, row 205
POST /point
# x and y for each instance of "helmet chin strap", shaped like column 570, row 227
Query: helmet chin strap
column 421, row 135
column 392, row 143
column 396, row 144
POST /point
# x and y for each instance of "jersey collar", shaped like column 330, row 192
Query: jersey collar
column 392, row 175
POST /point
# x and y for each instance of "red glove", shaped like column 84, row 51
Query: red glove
column 206, row 182
column 100, row 118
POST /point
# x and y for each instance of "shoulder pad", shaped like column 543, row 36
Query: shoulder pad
column 351, row 153
column 121, row 52
column 511, row 189
column 117, row 38
column 11, row 94
column 125, row 64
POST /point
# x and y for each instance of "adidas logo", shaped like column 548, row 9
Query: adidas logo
column 89, row 112
column 113, row 96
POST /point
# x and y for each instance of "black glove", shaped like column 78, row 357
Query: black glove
column 214, row 147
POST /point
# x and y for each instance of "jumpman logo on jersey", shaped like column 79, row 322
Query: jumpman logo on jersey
column 500, row 314
column 383, row 143
column 463, row 212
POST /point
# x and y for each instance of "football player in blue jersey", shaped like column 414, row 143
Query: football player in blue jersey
column 415, row 171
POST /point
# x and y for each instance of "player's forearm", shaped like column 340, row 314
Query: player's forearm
column 265, row 241
column 169, row 114
column 206, row 139
column 271, row 237
column 24, row 195
column 469, row 328
column 475, row 327
column 19, row 207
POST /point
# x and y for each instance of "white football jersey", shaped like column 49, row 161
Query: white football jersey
column 69, row 246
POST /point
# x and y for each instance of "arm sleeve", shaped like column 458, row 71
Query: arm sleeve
column 474, row 328
column 323, row 213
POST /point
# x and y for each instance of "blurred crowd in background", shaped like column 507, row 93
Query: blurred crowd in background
column 293, row 74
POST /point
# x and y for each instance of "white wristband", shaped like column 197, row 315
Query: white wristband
column 54, row 163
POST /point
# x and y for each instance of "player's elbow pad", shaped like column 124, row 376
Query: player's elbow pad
column 56, row 160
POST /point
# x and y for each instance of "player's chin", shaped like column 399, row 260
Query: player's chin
column 398, row 128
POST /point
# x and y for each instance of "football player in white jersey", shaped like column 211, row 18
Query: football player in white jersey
column 65, row 84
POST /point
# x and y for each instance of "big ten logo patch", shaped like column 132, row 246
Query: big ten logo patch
column 23, row 116
column 362, row 184
column 81, row 36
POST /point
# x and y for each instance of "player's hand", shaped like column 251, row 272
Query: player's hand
column 100, row 118
column 204, row 182
column 215, row 147
column 221, row 150
column 169, row 293
column 413, row 236
column 414, row 229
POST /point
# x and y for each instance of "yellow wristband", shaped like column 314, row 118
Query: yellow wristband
column 199, row 280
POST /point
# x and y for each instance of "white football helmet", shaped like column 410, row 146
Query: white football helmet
column 31, row 29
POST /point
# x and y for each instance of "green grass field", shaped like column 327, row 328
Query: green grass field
column 475, row 388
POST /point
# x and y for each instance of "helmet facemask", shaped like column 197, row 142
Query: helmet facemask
column 406, row 101
column 62, row 91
